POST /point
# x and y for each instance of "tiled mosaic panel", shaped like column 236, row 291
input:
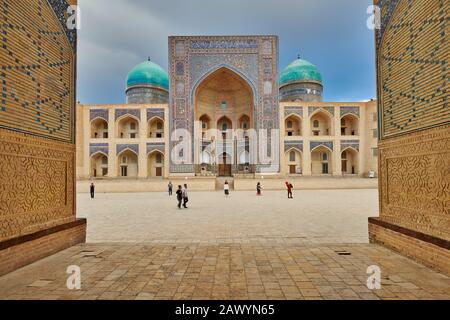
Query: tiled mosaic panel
column 412, row 65
column 36, row 75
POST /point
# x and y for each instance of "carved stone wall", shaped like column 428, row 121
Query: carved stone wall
column 37, row 111
column 415, row 181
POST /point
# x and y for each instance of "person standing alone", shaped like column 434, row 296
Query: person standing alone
column 170, row 188
column 92, row 189
column 258, row 189
column 185, row 196
column 226, row 188
column 289, row 187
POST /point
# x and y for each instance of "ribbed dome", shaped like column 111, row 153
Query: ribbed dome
column 300, row 70
column 148, row 74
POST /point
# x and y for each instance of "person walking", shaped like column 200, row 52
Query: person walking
column 289, row 187
column 92, row 189
column 258, row 189
column 226, row 188
column 185, row 196
column 170, row 188
column 179, row 194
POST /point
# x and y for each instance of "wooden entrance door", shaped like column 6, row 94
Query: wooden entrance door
column 159, row 172
column 225, row 167
column 292, row 169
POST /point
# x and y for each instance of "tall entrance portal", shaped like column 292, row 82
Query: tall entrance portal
column 223, row 88
column 224, row 117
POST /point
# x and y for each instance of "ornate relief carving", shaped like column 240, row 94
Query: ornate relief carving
column 415, row 181
column 36, row 184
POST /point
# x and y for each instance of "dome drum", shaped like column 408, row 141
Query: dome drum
column 147, row 83
column 301, row 81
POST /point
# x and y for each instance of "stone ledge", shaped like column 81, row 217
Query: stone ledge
column 426, row 249
column 18, row 252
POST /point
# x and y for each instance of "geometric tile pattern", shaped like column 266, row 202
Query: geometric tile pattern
column 37, row 69
column 155, row 146
column 98, row 148
column 413, row 91
column 131, row 112
column 293, row 110
column 349, row 110
column 327, row 144
column 293, row 144
column 98, row 114
column 350, row 144
column 151, row 113
column 311, row 110
column 132, row 147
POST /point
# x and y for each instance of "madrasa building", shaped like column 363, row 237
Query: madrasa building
column 223, row 109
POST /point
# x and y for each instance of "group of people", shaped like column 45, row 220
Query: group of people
column 182, row 194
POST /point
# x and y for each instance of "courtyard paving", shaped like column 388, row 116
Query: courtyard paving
column 140, row 246
column 313, row 216
column 225, row 271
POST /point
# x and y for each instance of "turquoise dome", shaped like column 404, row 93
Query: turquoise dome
column 300, row 70
column 148, row 74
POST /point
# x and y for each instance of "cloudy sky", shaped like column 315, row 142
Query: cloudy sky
column 332, row 34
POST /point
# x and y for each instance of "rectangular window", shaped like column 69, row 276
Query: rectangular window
column 375, row 133
column 133, row 135
column 105, row 135
column 374, row 117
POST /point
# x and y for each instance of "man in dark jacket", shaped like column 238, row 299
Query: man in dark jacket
column 92, row 190
column 179, row 194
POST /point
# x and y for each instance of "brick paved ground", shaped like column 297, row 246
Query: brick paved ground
column 246, row 248
column 225, row 271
